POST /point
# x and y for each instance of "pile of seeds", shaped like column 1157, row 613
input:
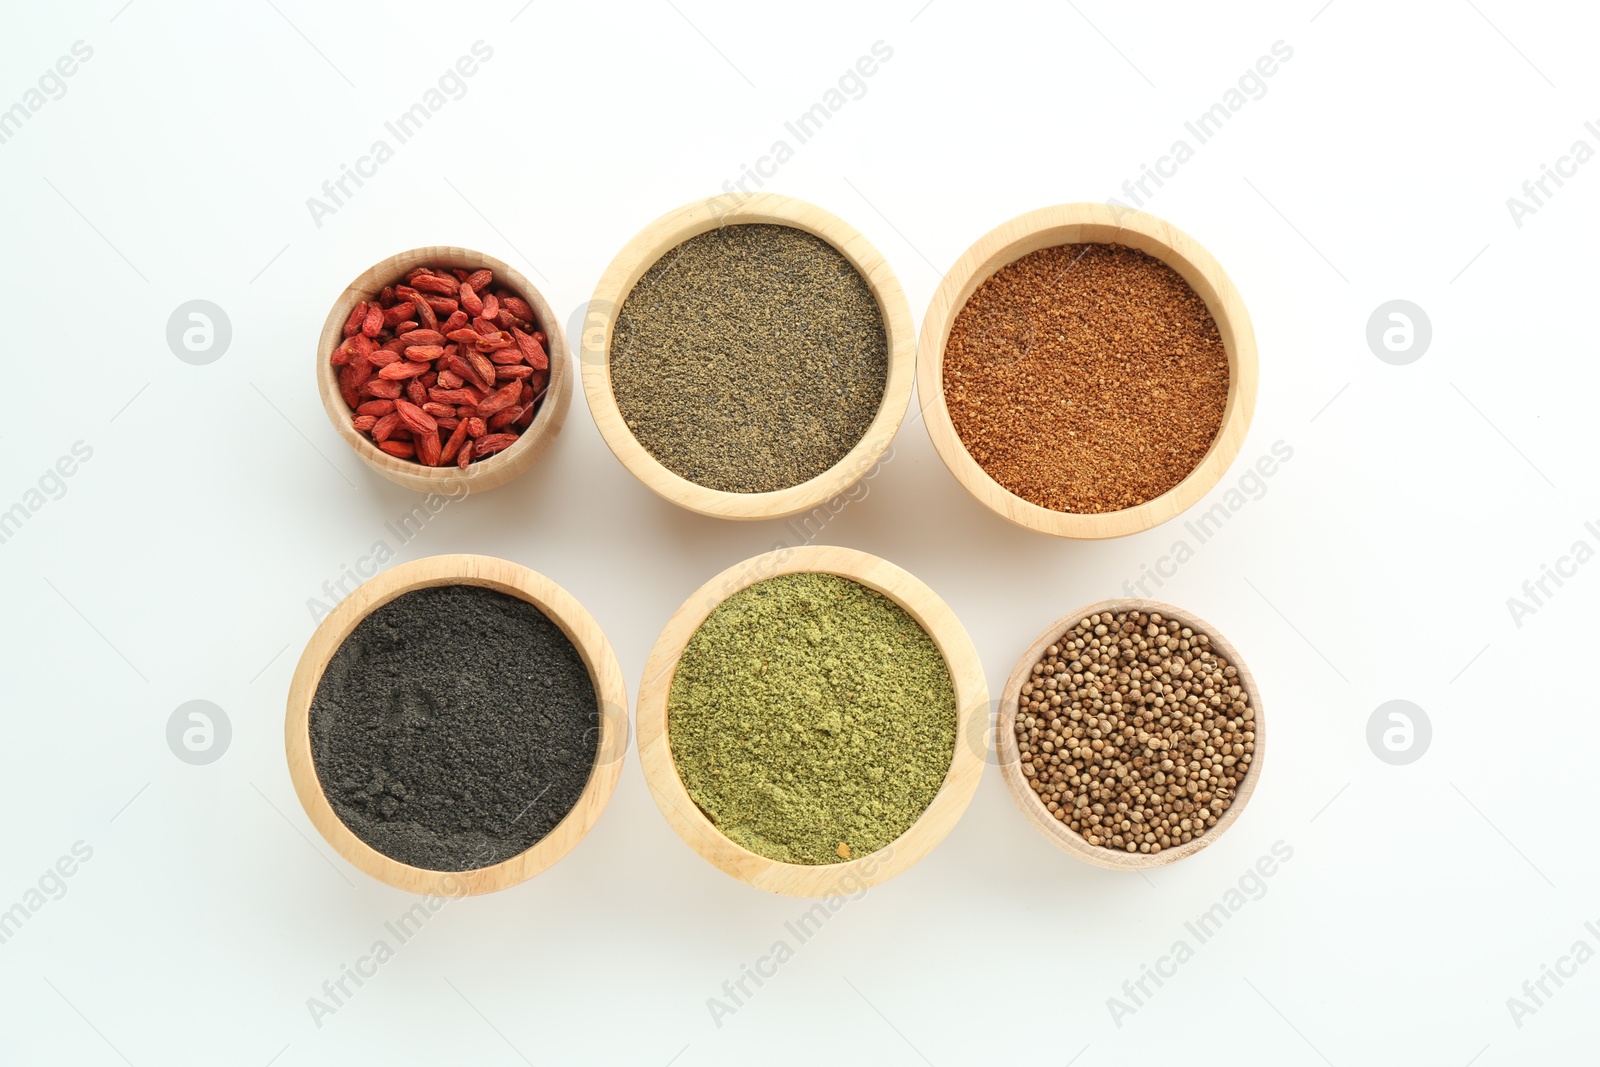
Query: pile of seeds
column 443, row 368
column 1086, row 378
column 454, row 728
column 1134, row 733
column 811, row 718
column 750, row 358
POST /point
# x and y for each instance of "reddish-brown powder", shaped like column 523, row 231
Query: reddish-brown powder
column 1086, row 378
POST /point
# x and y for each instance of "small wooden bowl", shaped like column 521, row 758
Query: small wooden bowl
column 799, row 879
column 1064, row 837
column 671, row 230
column 1089, row 224
column 502, row 466
column 505, row 577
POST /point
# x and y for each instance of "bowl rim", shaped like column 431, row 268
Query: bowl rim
column 930, row 827
column 497, row 469
column 1089, row 223
column 502, row 576
column 644, row 250
column 1010, row 758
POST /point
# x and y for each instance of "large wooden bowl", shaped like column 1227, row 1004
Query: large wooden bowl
column 1088, row 224
column 1063, row 836
column 505, row 577
column 937, row 820
column 671, row 230
column 485, row 474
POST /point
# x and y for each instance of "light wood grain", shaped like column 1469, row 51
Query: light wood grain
column 505, row 577
column 1089, row 224
column 497, row 469
column 1033, row 808
column 671, row 230
column 816, row 880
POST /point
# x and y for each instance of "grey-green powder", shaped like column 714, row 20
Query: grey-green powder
column 811, row 718
column 750, row 358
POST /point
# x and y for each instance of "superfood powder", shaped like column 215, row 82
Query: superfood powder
column 1086, row 378
column 811, row 718
column 1134, row 732
column 454, row 727
column 750, row 358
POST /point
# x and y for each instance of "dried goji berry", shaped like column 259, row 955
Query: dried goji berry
column 442, row 367
column 428, row 449
column 442, row 284
column 402, row 369
column 424, row 312
column 417, row 420
column 385, row 427
column 494, row 443
column 452, row 447
column 357, row 319
column 399, row 449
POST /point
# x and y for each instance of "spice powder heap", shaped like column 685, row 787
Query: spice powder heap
column 750, row 358
column 454, row 728
column 1086, row 378
column 812, row 719
column 1134, row 732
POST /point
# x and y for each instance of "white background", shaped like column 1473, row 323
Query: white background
column 1377, row 565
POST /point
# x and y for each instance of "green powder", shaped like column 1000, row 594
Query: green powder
column 750, row 358
column 809, row 712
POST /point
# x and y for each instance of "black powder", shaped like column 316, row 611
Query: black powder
column 454, row 728
column 750, row 358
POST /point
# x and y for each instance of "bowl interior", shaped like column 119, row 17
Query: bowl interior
column 660, row 238
column 367, row 286
column 503, row 577
column 1033, row 808
column 931, row 825
column 1093, row 224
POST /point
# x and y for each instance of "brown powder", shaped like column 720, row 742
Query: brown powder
column 1086, row 378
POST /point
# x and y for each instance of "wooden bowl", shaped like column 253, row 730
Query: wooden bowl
column 1033, row 808
column 671, row 230
column 505, row 577
column 485, row 474
column 816, row 880
column 1089, row 224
